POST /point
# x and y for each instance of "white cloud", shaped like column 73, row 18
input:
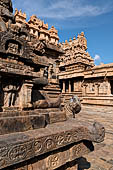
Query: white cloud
column 63, row 9
column 97, row 59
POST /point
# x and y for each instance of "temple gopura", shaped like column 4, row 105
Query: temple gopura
column 38, row 127
column 79, row 76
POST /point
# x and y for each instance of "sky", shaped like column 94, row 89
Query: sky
column 70, row 17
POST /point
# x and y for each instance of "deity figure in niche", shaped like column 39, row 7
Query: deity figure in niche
column 10, row 95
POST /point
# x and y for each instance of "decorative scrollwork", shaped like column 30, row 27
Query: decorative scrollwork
column 3, row 151
column 18, row 153
column 38, row 146
column 49, row 143
column 2, row 162
column 53, row 161
column 60, row 139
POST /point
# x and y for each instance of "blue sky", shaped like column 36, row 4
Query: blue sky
column 70, row 17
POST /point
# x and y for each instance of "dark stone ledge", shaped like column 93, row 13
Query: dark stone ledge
column 18, row 147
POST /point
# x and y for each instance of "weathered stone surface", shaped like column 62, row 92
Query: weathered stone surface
column 57, row 159
column 6, row 14
column 19, row 147
column 21, row 123
column 54, row 117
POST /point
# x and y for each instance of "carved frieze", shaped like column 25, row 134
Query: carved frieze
column 16, row 45
column 16, row 152
column 16, row 68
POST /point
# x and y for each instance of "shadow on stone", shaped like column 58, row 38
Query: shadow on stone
column 83, row 164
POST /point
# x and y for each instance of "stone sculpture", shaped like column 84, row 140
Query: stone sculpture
column 73, row 106
column 6, row 15
column 47, row 102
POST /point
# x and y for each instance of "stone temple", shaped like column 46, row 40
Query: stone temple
column 43, row 85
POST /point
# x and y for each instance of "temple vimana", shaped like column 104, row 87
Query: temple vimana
column 55, row 104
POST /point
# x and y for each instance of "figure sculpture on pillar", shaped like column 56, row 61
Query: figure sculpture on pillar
column 10, row 94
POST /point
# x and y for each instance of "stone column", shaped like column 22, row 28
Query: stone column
column 69, row 86
column 84, row 89
column 25, row 98
column 63, row 90
column 97, row 89
column 74, row 86
column 109, row 88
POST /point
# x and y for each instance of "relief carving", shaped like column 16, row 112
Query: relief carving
column 60, row 139
column 13, row 48
column 77, row 150
column 53, row 161
column 3, row 151
column 49, row 143
column 2, row 162
column 10, row 94
column 38, row 146
column 68, row 138
column 18, row 153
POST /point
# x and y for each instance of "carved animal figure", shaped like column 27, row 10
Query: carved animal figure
column 47, row 102
column 73, row 106
column 97, row 132
column 42, row 81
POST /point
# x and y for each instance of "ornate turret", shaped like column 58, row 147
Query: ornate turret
column 20, row 17
column 53, row 35
column 34, row 25
column 76, row 51
column 44, row 33
column 70, row 41
column 82, row 41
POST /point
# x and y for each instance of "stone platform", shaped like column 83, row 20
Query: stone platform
column 102, row 157
column 52, row 146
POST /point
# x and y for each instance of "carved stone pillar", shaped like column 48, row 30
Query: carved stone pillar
column 69, row 86
column 109, row 88
column 84, row 89
column 25, row 98
column 74, row 86
column 63, row 90
column 97, row 89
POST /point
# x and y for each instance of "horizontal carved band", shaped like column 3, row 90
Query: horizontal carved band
column 19, row 147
